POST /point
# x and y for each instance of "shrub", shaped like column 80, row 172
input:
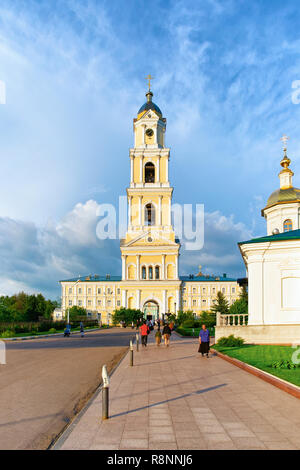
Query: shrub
column 188, row 324
column 8, row 334
column 283, row 365
column 184, row 332
column 184, row 316
column 52, row 330
column 230, row 341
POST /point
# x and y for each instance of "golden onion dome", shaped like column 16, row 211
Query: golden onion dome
column 284, row 195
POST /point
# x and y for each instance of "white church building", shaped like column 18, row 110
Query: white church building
column 273, row 266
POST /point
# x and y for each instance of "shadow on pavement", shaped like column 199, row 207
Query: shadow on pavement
column 198, row 392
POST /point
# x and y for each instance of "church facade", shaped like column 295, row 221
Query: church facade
column 150, row 279
column 273, row 265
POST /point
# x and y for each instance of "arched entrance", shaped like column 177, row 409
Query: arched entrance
column 151, row 310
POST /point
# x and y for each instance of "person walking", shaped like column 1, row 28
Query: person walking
column 204, row 341
column 166, row 334
column 144, row 330
column 81, row 330
column 158, row 337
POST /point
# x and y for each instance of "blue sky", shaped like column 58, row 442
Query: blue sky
column 74, row 74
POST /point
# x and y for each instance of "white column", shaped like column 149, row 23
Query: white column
column 123, row 267
column 158, row 169
column 84, row 299
column 155, row 134
column 176, row 267
column 138, row 299
column 141, row 169
column 169, row 212
column 131, row 169
column 164, row 301
column 129, row 211
column 163, row 267
column 143, row 130
column 138, row 267
column 177, row 301
column 167, row 169
column 159, row 210
column 124, row 298
column 140, row 210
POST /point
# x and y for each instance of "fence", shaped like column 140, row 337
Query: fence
column 232, row 320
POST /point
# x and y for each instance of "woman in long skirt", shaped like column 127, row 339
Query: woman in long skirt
column 203, row 341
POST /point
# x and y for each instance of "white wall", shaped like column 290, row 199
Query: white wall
column 274, row 282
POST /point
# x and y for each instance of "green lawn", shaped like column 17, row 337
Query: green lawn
column 189, row 331
column 262, row 356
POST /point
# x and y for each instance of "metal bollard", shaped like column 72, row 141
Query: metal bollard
column 105, row 393
column 137, row 341
column 131, row 353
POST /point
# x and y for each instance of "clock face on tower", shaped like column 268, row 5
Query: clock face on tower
column 149, row 132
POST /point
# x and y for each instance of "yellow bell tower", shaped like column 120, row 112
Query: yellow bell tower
column 149, row 250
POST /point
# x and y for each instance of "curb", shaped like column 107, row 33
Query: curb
column 64, row 434
column 24, row 338
column 271, row 379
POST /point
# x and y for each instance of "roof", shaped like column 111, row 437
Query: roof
column 189, row 278
column 205, row 278
column 291, row 235
column 283, row 196
column 150, row 105
column 94, row 278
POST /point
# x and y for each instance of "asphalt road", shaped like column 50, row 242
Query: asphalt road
column 47, row 381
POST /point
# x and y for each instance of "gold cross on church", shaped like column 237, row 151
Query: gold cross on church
column 149, row 78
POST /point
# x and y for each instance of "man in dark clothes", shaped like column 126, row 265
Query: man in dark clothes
column 204, row 341
column 166, row 334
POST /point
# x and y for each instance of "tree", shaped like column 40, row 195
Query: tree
column 207, row 318
column 221, row 305
column 244, row 295
column 239, row 307
column 127, row 315
column 75, row 312
column 184, row 316
column 5, row 314
column 31, row 309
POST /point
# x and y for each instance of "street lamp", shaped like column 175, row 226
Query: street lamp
column 68, row 310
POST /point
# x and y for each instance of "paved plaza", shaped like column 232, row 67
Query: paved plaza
column 174, row 399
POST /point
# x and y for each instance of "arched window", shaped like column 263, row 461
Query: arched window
column 150, row 272
column 156, row 272
column 287, row 225
column 149, row 214
column 143, row 272
column 149, row 173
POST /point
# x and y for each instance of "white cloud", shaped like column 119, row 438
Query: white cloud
column 34, row 259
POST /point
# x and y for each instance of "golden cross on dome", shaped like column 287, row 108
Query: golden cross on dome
column 149, row 78
column 284, row 140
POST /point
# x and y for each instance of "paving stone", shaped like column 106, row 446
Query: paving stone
column 162, row 410
column 134, row 444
